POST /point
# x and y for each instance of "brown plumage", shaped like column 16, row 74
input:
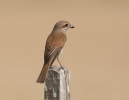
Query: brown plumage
column 54, row 44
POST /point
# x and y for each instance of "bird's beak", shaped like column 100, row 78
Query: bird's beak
column 71, row 26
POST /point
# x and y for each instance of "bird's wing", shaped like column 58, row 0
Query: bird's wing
column 53, row 47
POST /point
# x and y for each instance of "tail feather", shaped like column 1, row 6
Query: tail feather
column 43, row 73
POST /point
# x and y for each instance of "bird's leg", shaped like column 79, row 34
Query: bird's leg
column 61, row 67
column 59, row 62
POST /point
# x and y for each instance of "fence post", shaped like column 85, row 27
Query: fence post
column 57, row 84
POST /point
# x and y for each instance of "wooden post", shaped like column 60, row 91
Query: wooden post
column 57, row 84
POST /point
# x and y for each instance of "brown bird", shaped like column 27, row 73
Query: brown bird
column 54, row 45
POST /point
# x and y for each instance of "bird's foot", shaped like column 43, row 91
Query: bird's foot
column 62, row 68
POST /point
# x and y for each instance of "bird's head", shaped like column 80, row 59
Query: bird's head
column 63, row 26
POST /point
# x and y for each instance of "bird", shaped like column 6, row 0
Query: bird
column 54, row 46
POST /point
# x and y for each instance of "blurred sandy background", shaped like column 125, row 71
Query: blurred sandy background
column 97, row 50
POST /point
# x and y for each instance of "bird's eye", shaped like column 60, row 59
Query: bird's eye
column 66, row 24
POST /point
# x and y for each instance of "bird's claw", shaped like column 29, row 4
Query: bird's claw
column 63, row 68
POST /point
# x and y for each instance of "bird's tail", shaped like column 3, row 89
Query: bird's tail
column 43, row 73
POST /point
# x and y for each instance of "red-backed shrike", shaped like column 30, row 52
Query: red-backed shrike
column 54, row 45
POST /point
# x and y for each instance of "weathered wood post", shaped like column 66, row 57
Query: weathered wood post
column 57, row 84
